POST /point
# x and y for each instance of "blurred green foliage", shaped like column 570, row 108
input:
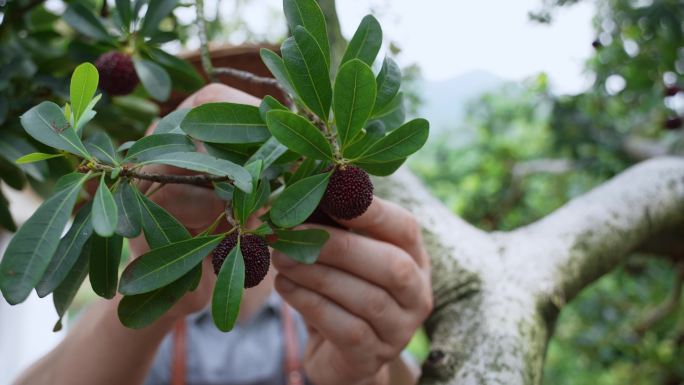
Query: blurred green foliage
column 522, row 152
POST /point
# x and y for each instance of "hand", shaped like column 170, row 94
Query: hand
column 195, row 207
column 364, row 298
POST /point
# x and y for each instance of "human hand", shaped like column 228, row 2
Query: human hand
column 195, row 207
column 364, row 299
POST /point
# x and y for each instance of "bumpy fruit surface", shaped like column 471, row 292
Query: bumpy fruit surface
column 349, row 193
column 254, row 251
column 117, row 75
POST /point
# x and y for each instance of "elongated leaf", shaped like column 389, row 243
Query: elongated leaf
column 298, row 134
column 13, row 147
column 225, row 301
column 33, row 245
column 67, row 253
column 309, row 15
column 83, row 86
column 269, row 152
column 151, row 146
column 303, row 246
column 105, row 213
column 270, row 103
column 305, row 169
column 64, row 294
column 243, row 203
column 138, row 311
column 206, row 163
column 130, row 214
column 388, row 84
column 170, row 124
column 46, row 124
column 160, row 227
column 153, row 77
column 366, row 42
column 275, row 64
column 392, row 115
column 375, row 131
column 36, row 157
column 101, row 147
column 399, row 143
column 308, row 70
column 67, row 181
column 161, row 266
column 6, row 220
column 156, row 12
column 298, row 201
column 105, row 255
column 184, row 75
column 225, row 123
column 88, row 114
column 354, row 97
column 86, row 22
column 381, row 169
column 123, row 7
column 224, row 191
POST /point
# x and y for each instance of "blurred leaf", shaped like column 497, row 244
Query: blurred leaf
column 123, row 8
column 86, row 22
column 156, row 12
column 36, row 157
column 13, row 147
column 153, row 77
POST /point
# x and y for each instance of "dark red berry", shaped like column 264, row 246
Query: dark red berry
column 673, row 123
column 596, row 44
column 672, row 90
column 255, row 253
column 349, row 193
column 117, row 75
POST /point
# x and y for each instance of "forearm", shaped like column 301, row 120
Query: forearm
column 99, row 350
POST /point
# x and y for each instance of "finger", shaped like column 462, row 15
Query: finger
column 391, row 223
column 392, row 324
column 350, row 334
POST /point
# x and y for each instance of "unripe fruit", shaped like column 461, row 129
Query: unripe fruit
column 673, row 123
column 349, row 193
column 255, row 253
column 117, row 75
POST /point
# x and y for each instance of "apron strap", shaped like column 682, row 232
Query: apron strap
column 292, row 365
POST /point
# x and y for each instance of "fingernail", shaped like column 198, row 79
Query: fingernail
column 283, row 261
column 285, row 285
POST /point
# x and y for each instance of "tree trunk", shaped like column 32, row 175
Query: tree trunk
column 497, row 295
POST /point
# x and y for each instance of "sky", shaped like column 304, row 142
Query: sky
column 448, row 38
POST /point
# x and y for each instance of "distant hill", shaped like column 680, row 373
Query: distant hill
column 444, row 101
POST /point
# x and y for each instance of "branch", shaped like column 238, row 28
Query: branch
column 253, row 78
column 202, row 180
column 666, row 308
column 536, row 166
column 205, row 55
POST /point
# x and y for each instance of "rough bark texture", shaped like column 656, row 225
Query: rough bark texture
column 498, row 295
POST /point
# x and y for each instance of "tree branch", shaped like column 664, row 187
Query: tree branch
column 205, row 55
column 666, row 308
column 202, row 180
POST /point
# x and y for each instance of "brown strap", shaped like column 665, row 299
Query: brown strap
column 293, row 362
column 179, row 353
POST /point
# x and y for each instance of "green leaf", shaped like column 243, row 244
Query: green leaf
column 88, row 114
column 148, row 147
column 156, row 12
column 202, row 162
column 388, row 83
column 244, row 203
column 101, row 147
column 68, row 181
column 381, row 169
column 36, row 157
column 68, row 252
column 308, row 14
column 105, row 213
column 298, row 134
column 392, row 115
column 309, row 72
column 105, row 256
column 83, row 86
column 269, row 152
column 64, row 294
column 130, row 214
column 225, row 123
column 123, row 7
column 13, row 147
column 354, row 97
column 160, row 227
column 46, row 124
column 182, row 72
column 33, row 245
column 275, row 64
column 86, row 22
column 153, row 77
column 303, row 246
column 163, row 265
column 375, row 131
column 270, row 103
column 298, row 201
column 305, row 169
column 366, row 42
column 170, row 124
column 225, row 301
column 263, row 229
column 138, row 311
column 6, row 221
column 224, row 191
column 399, row 143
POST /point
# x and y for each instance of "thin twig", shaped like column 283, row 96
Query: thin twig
column 246, row 75
column 205, row 55
column 203, row 180
column 666, row 308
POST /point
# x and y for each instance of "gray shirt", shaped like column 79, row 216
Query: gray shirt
column 251, row 354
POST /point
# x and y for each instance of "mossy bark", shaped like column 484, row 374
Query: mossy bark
column 497, row 295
